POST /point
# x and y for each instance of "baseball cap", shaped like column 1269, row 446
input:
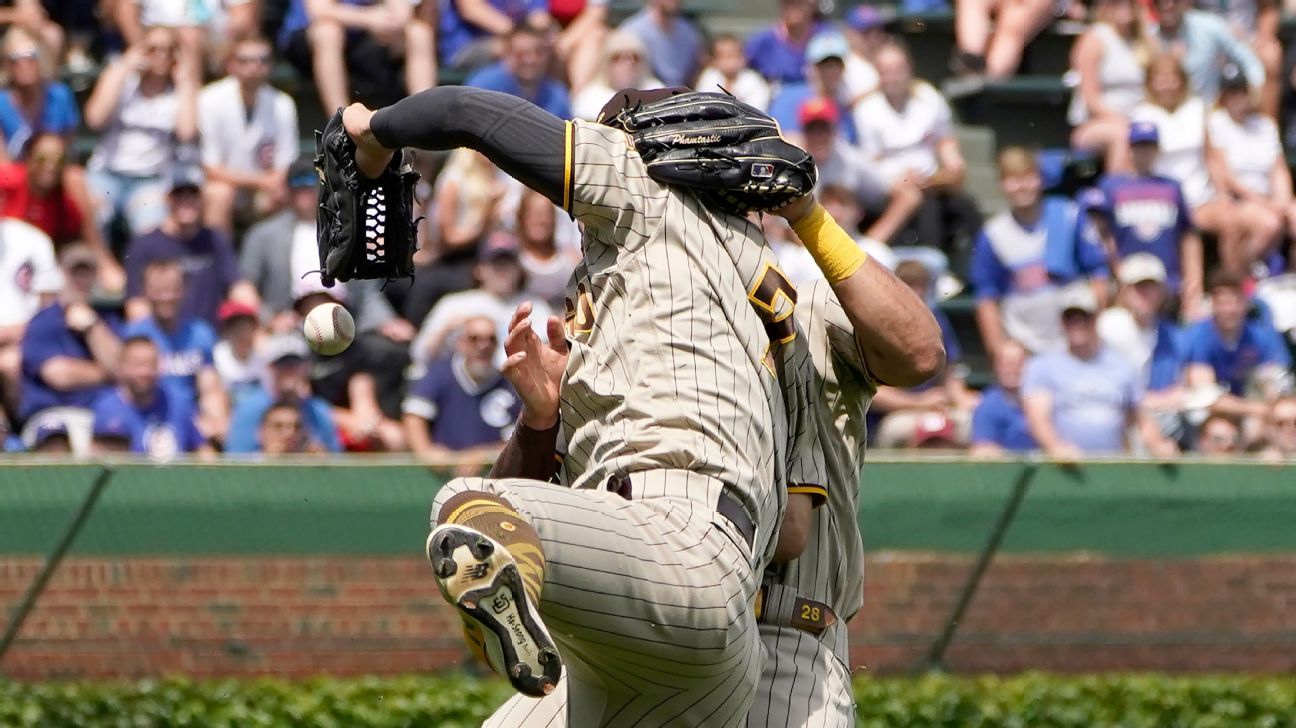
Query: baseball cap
column 1141, row 267
column 818, row 109
column 185, row 177
column 825, row 46
column 235, row 309
column 285, row 348
column 302, row 174
column 1233, row 79
column 865, row 17
column 933, row 426
column 1078, row 296
column 1143, row 132
column 499, row 244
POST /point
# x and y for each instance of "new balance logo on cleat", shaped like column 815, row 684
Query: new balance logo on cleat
column 475, row 571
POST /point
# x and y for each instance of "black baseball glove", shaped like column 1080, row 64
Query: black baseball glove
column 366, row 227
column 727, row 152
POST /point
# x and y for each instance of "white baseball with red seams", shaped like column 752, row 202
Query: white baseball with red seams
column 329, row 329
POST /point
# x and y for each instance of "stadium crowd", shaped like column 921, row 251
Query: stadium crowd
column 157, row 246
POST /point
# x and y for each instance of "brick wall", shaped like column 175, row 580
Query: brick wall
column 206, row 617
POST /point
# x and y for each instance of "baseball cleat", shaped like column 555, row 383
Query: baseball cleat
column 480, row 577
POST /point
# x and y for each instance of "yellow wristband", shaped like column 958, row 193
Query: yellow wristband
column 837, row 255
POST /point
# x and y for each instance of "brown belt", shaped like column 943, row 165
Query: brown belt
column 780, row 605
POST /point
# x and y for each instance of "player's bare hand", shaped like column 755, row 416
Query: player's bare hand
column 535, row 368
column 371, row 157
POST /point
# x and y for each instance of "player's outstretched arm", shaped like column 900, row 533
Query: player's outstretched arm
column 525, row 141
column 897, row 335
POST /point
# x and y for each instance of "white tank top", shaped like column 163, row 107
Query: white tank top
column 1183, row 146
column 1120, row 76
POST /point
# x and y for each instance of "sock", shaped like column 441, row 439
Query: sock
column 493, row 516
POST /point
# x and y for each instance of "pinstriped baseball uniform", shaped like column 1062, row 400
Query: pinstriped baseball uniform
column 806, row 679
column 670, row 383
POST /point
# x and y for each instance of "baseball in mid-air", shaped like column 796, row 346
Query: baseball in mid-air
column 329, row 329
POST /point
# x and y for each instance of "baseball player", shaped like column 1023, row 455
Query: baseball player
column 860, row 329
column 645, row 571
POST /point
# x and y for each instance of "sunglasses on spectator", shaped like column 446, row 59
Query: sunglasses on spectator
column 284, row 424
column 626, row 57
column 481, row 338
column 259, row 59
column 168, row 49
column 30, row 54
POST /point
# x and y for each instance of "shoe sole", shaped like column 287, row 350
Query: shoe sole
column 481, row 579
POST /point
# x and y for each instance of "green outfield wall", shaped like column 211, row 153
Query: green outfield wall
column 355, row 508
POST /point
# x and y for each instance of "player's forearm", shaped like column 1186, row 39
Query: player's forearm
column 897, row 335
column 794, row 531
column 528, row 454
column 525, row 141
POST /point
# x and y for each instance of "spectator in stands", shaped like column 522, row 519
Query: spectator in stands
column 210, row 265
column 469, row 28
column 1237, row 349
column 524, row 72
column 905, row 129
column 29, row 281
column 825, row 79
column 584, row 26
column 46, row 193
column 31, row 18
column 1145, row 212
column 199, row 27
column 145, row 108
column 893, row 202
column 500, row 292
column 266, row 260
column 283, row 431
column 546, row 267
column 287, row 380
column 865, row 30
column 1084, row 399
column 1109, row 60
column 728, row 70
column 1281, row 429
column 463, row 404
column 675, row 45
column 33, row 102
column 1254, row 172
column 156, row 421
column 947, row 394
column 1219, row 436
column 249, row 137
column 993, row 48
column 348, row 45
column 69, row 354
column 1204, row 42
column 998, row 422
column 184, row 345
column 778, row 51
column 236, row 357
column 364, row 383
column 625, row 65
column 1022, row 256
column 1257, row 23
column 1181, row 126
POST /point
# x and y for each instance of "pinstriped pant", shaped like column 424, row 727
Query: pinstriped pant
column 649, row 602
column 804, row 682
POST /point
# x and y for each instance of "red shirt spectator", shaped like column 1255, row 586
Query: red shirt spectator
column 49, row 208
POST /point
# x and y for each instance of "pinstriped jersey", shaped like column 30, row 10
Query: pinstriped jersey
column 667, row 315
column 831, row 569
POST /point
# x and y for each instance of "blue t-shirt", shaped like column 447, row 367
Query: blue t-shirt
column 1009, row 257
column 181, row 353
column 210, row 267
column 550, row 95
column 455, row 33
column 674, row 53
column 463, row 414
column 786, row 110
column 999, row 419
column 1148, row 215
column 59, row 116
column 1166, row 367
column 1091, row 399
column 162, row 429
column 773, row 55
column 46, row 337
column 245, row 423
column 1259, row 344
